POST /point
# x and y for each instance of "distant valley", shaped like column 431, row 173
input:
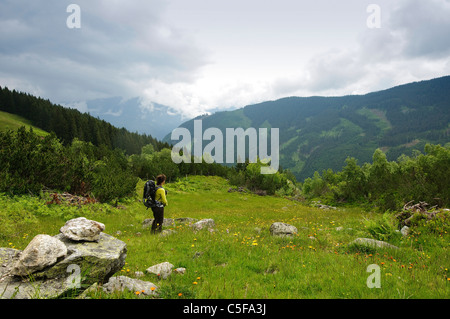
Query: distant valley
column 157, row 122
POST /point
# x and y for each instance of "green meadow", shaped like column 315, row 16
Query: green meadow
column 13, row 122
column 240, row 259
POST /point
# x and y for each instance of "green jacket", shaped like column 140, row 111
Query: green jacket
column 160, row 196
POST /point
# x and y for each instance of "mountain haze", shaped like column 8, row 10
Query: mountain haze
column 317, row 133
column 156, row 120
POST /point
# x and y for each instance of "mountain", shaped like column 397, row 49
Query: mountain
column 317, row 133
column 157, row 122
column 68, row 123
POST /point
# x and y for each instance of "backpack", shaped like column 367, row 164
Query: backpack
column 148, row 199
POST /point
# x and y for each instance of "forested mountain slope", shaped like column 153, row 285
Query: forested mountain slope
column 68, row 123
column 318, row 133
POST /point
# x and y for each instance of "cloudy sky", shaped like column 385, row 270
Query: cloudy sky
column 198, row 55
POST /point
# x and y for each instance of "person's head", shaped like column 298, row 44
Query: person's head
column 160, row 179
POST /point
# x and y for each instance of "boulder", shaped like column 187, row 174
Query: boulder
column 84, row 264
column 204, row 223
column 13, row 287
column 282, row 229
column 121, row 283
column 162, row 270
column 82, row 229
column 8, row 258
column 16, row 287
column 372, row 243
column 42, row 251
column 97, row 260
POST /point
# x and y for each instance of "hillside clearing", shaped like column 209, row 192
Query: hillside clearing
column 13, row 122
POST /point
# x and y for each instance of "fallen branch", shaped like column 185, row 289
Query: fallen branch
column 70, row 199
column 409, row 211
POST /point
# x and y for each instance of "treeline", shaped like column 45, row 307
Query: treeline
column 150, row 163
column 29, row 163
column 385, row 184
column 87, row 156
column 69, row 124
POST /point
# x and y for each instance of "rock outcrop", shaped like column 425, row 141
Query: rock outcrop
column 43, row 251
column 51, row 267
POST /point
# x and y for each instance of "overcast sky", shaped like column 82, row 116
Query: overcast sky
column 197, row 55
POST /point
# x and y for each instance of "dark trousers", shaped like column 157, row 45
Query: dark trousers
column 158, row 214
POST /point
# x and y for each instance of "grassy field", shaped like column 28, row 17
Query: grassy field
column 240, row 259
column 13, row 122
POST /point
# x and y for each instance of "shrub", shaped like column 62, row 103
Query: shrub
column 383, row 227
column 29, row 162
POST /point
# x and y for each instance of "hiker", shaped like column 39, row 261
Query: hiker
column 158, row 210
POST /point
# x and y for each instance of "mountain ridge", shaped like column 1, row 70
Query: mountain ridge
column 318, row 133
column 69, row 123
column 156, row 120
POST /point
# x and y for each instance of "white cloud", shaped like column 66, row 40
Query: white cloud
column 200, row 55
column 412, row 44
column 118, row 49
column 425, row 25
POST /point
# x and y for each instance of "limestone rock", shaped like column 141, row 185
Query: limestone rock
column 405, row 231
column 41, row 252
column 163, row 269
column 373, row 243
column 8, row 258
column 121, row 283
column 13, row 287
column 97, row 260
column 84, row 264
column 204, row 223
column 82, row 229
column 180, row 270
column 282, row 229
